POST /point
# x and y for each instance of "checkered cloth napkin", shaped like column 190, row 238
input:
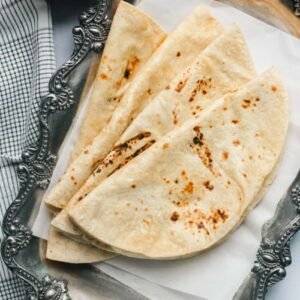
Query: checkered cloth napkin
column 26, row 64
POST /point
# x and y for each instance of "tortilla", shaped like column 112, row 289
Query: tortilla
column 191, row 37
column 210, row 76
column 157, row 209
column 122, row 59
column 60, row 248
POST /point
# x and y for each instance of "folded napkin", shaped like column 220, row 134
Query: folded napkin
column 26, row 64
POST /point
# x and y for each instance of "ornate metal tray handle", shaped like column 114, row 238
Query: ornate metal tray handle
column 274, row 254
column 38, row 162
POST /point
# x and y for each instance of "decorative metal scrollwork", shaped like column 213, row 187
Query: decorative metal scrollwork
column 297, row 8
column 37, row 164
column 273, row 257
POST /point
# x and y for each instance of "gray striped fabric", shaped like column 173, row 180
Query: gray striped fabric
column 26, row 64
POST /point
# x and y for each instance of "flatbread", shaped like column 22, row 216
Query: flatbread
column 60, row 248
column 191, row 37
column 210, row 76
column 157, row 209
column 122, row 59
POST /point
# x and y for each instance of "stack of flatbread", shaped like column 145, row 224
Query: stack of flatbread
column 180, row 140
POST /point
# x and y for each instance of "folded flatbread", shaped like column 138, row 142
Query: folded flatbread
column 191, row 37
column 214, row 73
column 60, row 248
column 122, row 58
column 194, row 186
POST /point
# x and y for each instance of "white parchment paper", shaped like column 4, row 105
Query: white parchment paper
column 217, row 274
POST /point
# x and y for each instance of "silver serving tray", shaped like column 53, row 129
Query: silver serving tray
column 24, row 254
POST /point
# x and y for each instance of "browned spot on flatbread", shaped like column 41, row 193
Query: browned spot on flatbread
column 183, row 173
column 235, row 122
column 130, row 157
column 174, row 114
column 131, row 65
column 189, row 188
column 197, row 141
column 126, row 73
column 118, row 84
column 218, row 216
column 225, row 155
column 165, row 146
column 208, row 185
column 175, row 216
column 103, row 76
column 202, row 150
column 166, row 180
column 178, row 54
column 199, row 138
column 202, row 226
column 142, row 135
column 115, row 99
column 236, row 142
column 119, row 150
column 246, row 103
column 180, row 202
column 193, row 95
column 274, row 88
column 221, row 215
column 196, row 109
column 181, row 84
column 202, row 85
column 199, row 221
